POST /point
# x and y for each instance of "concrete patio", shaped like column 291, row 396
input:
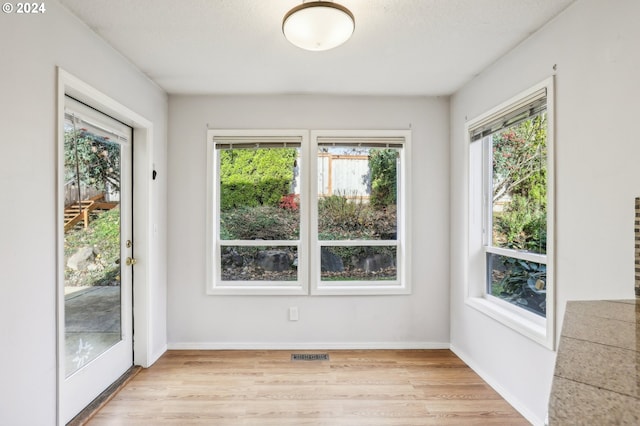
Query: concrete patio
column 92, row 324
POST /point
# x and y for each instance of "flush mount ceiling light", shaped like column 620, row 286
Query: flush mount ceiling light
column 318, row 25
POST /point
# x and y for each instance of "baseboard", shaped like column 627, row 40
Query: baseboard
column 156, row 355
column 305, row 346
column 515, row 402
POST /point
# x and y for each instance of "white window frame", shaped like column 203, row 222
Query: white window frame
column 402, row 283
column 535, row 327
column 308, row 245
column 215, row 285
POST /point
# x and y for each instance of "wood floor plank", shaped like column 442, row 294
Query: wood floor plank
column 407, row 387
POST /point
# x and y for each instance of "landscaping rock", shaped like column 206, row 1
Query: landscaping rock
column 376, row 262
column 273, row 260
column 232, row 258
column 81, row 259
column 330, row 262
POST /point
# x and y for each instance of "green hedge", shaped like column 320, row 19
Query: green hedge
column 255, row 177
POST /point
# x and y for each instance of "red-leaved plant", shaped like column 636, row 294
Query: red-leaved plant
column 290, row 202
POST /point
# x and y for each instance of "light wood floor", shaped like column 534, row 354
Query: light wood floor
column 363, row 388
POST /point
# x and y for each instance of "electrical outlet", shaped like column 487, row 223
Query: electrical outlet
column 293, row 314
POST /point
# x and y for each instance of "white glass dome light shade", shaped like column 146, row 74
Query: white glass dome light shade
column 318, row 25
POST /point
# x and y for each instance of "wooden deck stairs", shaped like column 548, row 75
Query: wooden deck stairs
column 75, row 213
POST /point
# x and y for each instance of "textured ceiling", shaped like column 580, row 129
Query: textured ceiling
column 399, row 47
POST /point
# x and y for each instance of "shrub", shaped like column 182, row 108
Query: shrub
column 103, row 235
column 340, row 218
column 290, row 202
column 523, row 283
column 263, row 222
column 522, row 226
column 255, row 177
column 383, row 169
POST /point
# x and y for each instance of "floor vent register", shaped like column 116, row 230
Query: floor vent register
column 309, row 357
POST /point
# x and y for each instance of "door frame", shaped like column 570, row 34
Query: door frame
column 142, row 165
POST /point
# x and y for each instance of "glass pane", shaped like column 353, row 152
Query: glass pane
column 358, row 263
column 357, row 193
column 246, row 263
column 91, row 245
column 260, row 194
column 520, row 186
column 519, row 282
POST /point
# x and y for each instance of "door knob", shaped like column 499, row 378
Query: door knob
column 130, row 261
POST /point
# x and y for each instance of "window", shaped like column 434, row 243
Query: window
column 511, row 213
column 299, row 212
column 359, row 211
column 257, row 232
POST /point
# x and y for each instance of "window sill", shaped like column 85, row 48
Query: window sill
column 257, row 291
column 536, row 329
column 337, row 290
column 253, row 290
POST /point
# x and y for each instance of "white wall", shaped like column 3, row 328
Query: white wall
column 196, row 320
column 32, row 46
column 595, row 46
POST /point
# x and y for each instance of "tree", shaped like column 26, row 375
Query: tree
column 519, row 160
column 519, row 171
column 383, row 169
column 91, row 160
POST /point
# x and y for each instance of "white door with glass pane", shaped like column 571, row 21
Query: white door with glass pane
column 95, row 336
